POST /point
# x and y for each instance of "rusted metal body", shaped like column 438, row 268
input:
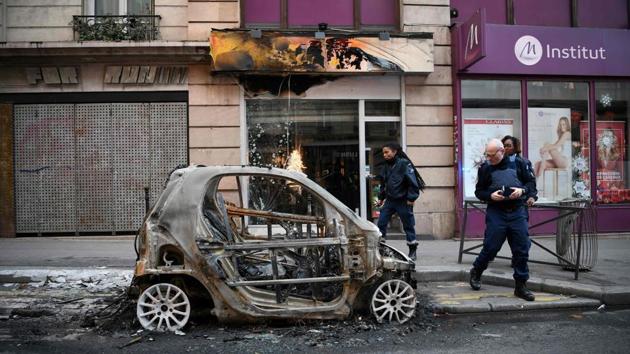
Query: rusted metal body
column 7, row 196
column 258, row 262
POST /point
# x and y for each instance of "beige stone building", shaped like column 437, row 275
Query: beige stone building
column 98, row 105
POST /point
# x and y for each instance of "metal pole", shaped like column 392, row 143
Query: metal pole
column 579, row 246
column 309, row 211
column 462, row 233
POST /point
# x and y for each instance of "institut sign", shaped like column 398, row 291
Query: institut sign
column 551, row 51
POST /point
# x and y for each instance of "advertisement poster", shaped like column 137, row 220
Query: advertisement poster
column 611, row 149
column 550, row 151
column 477, row 133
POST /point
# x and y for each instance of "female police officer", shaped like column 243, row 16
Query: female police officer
column 400, row 187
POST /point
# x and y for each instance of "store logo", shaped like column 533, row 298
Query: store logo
column 528, row 50
column 472, row 41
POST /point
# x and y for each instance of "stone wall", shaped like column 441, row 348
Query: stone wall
column 429, row 117
column 50, row 20
column 214, row 121
column 205, row 15
column 40, row 20
column 174, row 19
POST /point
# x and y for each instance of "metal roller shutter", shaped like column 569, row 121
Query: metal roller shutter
column 84, row 167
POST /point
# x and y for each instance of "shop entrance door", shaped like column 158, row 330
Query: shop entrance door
column 378, row 126
column 377, row 134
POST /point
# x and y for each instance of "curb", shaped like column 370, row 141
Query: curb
column 25, row 275
column 608, row 295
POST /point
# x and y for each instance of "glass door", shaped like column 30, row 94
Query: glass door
column 377, row 134
column 380, row 124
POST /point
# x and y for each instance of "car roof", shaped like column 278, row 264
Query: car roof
column 194, row 181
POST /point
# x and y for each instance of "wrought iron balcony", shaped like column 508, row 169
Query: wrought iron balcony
column 116, row 28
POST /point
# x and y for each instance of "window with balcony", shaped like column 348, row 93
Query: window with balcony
column 355, row 14
column 116, row 20
column 118, row 7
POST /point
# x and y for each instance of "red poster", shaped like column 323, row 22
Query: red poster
column 611, row 148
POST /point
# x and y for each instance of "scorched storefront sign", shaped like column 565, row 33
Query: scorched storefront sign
column 278, row 52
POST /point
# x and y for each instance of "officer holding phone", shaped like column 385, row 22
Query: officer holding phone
column 505, row 184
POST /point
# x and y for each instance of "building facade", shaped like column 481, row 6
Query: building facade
column 101, row 99
column 554, row 74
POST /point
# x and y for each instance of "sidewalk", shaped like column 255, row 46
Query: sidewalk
column 33, row 259
column 447, row 281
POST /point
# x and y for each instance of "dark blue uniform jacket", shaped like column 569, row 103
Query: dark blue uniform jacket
column 507, row 173
column 398, row 181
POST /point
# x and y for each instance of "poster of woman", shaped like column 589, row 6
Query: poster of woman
column 550, row 150
column 610, row 148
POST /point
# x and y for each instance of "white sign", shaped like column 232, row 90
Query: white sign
column 528, row 50
column 477, row 133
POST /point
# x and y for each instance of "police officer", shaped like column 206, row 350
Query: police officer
column 505, row 184
column 400, row 187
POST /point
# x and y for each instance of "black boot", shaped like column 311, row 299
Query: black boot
column 520, row 290
column 475, row 278
column 413, row 247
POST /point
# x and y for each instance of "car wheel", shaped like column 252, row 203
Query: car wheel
column 163, row 307
column 393, row 300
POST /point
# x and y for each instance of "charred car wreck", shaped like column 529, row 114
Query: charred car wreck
column 253, row 244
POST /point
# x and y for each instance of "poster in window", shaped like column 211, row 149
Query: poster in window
column 477, row 133
column 610, row 156
column 550, row 151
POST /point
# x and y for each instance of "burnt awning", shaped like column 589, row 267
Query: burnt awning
column 274, row 52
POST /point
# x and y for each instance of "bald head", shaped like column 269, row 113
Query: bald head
column 494, row 151
column 494, row 143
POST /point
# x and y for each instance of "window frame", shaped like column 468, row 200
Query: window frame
column 590, row 81
column 520, row 134
column 89, row 8
column 284, row 19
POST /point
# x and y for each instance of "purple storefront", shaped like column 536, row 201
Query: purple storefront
column 560, row 82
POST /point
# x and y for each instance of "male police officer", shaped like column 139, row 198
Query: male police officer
column 505, row 185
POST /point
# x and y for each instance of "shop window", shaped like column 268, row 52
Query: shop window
column 317, row 137
column 309, row 14
column 542, row 12
column 557, row 133
column 603, row 14
column 611, row 142
column 490, row 109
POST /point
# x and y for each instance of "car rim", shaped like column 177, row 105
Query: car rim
column 394, row 300
column 163, row 307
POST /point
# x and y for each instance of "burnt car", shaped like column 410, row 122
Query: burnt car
column 247, row 244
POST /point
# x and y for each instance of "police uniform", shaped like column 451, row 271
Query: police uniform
column 506, row 218
column 398, row 186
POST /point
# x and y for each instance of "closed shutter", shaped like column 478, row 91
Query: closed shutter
column 84, row 168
